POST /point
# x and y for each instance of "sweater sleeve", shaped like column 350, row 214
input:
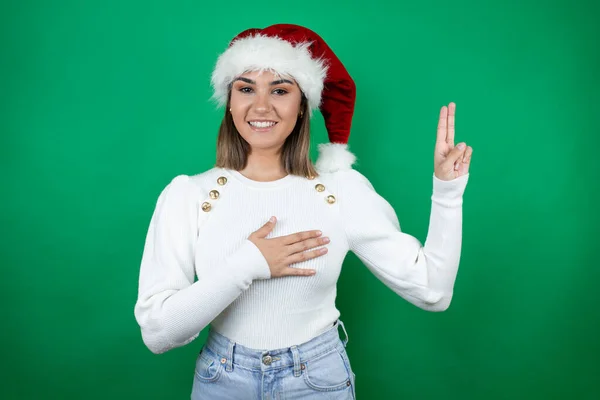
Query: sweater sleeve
column 422, row 275
column 172, row 309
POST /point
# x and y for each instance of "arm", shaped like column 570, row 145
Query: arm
column 422, row 275
column 171, row 309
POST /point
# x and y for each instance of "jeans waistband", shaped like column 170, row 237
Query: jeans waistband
column 231, row 352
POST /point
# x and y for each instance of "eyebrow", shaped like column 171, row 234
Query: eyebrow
column 250, row 81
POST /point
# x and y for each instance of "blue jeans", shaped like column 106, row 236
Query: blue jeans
column 317, row 369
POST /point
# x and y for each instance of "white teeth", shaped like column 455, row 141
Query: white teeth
column 262, row 124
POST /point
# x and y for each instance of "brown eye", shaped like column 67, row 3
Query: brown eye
column 245, row 89
column 280, row 92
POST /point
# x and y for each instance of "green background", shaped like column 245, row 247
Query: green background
column 103, row 102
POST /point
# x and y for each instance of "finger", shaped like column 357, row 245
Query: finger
column 464, row 169
column 307, row 244
column 467, row 155
column 289, row 271
column 442, row 131
column 300, row 236
column 457, row 153
column 451, row 114
column 264, row 230
column 305, row 255
column 463, row 158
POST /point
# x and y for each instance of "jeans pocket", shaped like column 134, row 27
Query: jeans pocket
column 208, row 366
column 346, row 359
column 327, row 372
column 344, row 355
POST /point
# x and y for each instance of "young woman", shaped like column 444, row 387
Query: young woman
column 265, row 231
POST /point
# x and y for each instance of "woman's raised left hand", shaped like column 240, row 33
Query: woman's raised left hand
column 449, row 161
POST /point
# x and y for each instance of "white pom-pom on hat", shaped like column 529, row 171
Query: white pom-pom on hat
column 334, row 157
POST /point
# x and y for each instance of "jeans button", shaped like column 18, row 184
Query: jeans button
column 267, row 360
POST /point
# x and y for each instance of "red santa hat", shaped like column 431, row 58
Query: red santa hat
column 300, row 53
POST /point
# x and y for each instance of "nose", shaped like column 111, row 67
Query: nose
column 262, row 102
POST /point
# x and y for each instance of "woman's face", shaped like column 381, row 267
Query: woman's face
column 265, row 108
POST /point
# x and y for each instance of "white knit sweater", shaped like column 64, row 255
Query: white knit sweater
column 234, row 292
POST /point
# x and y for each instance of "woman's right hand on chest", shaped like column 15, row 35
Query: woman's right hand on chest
column 282, row 251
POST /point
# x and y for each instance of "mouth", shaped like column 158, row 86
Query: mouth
column 262, row 126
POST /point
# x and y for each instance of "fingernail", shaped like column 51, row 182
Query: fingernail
column 272, row 219
column 319, row 233
column 326, row 240
column 461, row 146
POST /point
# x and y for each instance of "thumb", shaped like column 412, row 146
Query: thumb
column 457, row 152
column 264, row 230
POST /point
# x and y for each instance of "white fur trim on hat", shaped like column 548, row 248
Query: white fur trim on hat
column 334, row 157
column 262, row 52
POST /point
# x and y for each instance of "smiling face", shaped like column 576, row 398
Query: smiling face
column 265, row 108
